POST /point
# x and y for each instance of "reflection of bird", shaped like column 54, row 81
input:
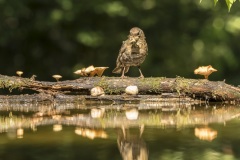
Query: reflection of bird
column 131, row 145
column 132, row 53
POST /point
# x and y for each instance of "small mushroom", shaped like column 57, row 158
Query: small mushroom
column 97, row 91
column 79, row 72
column 91, row 71
column 132, row 90
column 205, row 71
column 19, row 73
column 57, row 77
column 98, row 70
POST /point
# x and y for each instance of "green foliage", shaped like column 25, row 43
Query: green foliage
column 228, row 2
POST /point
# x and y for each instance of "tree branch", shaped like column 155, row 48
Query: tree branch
column 160, row 86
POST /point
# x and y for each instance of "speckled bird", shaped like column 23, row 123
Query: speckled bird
column 132, row 53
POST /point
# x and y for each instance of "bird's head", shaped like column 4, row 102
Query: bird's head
column 135, row 34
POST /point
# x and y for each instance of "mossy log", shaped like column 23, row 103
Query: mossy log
column 115, row 86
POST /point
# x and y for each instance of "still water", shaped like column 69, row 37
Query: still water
column 119, row 131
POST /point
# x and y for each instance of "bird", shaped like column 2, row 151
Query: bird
column 132, row 53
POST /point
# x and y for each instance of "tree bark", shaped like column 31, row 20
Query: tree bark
column 159, row 86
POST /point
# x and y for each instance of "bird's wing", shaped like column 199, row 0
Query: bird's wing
column 143, row 47
column 124, row 55
column 119, row 65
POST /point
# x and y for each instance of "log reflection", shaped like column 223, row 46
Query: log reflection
column 114, row 115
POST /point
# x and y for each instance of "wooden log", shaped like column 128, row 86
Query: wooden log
column 164, row 87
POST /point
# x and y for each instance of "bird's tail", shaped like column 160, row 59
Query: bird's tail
column 117, row 70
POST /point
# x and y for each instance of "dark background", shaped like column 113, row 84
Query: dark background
column 45, row 37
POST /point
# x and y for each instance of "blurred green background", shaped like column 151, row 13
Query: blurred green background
column 44, row 37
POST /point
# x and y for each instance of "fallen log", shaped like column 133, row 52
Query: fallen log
column 161, row 86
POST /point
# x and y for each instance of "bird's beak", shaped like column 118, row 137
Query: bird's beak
column 132, row 40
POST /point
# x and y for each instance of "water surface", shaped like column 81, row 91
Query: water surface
column 120, row 131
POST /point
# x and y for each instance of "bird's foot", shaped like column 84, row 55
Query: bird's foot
column 124, row 77
column 141, row 76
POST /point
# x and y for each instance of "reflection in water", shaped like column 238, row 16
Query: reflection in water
column 171, row 125
column 132, row 114
column 57, row 127
column 205, row 133
column 91, row 133
column 131, row 145
column 97, row 112
column 20, row 133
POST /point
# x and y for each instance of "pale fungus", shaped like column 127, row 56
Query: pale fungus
column 57, row 77
column 19, row 73
column 79, row 72
column 98, row 70
column 91, row 71
column 132, row 90
column 97, row 91
column 205, row 71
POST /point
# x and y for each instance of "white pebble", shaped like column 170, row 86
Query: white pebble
column 132, row 90
column 97, row 91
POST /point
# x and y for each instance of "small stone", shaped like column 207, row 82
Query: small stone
column 132, row 90
column 97, row 91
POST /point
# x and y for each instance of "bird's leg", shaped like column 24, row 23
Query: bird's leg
column 123, row 73
column 124, row 132
column 141, row 75
column 141, row 130
column 206, row 76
